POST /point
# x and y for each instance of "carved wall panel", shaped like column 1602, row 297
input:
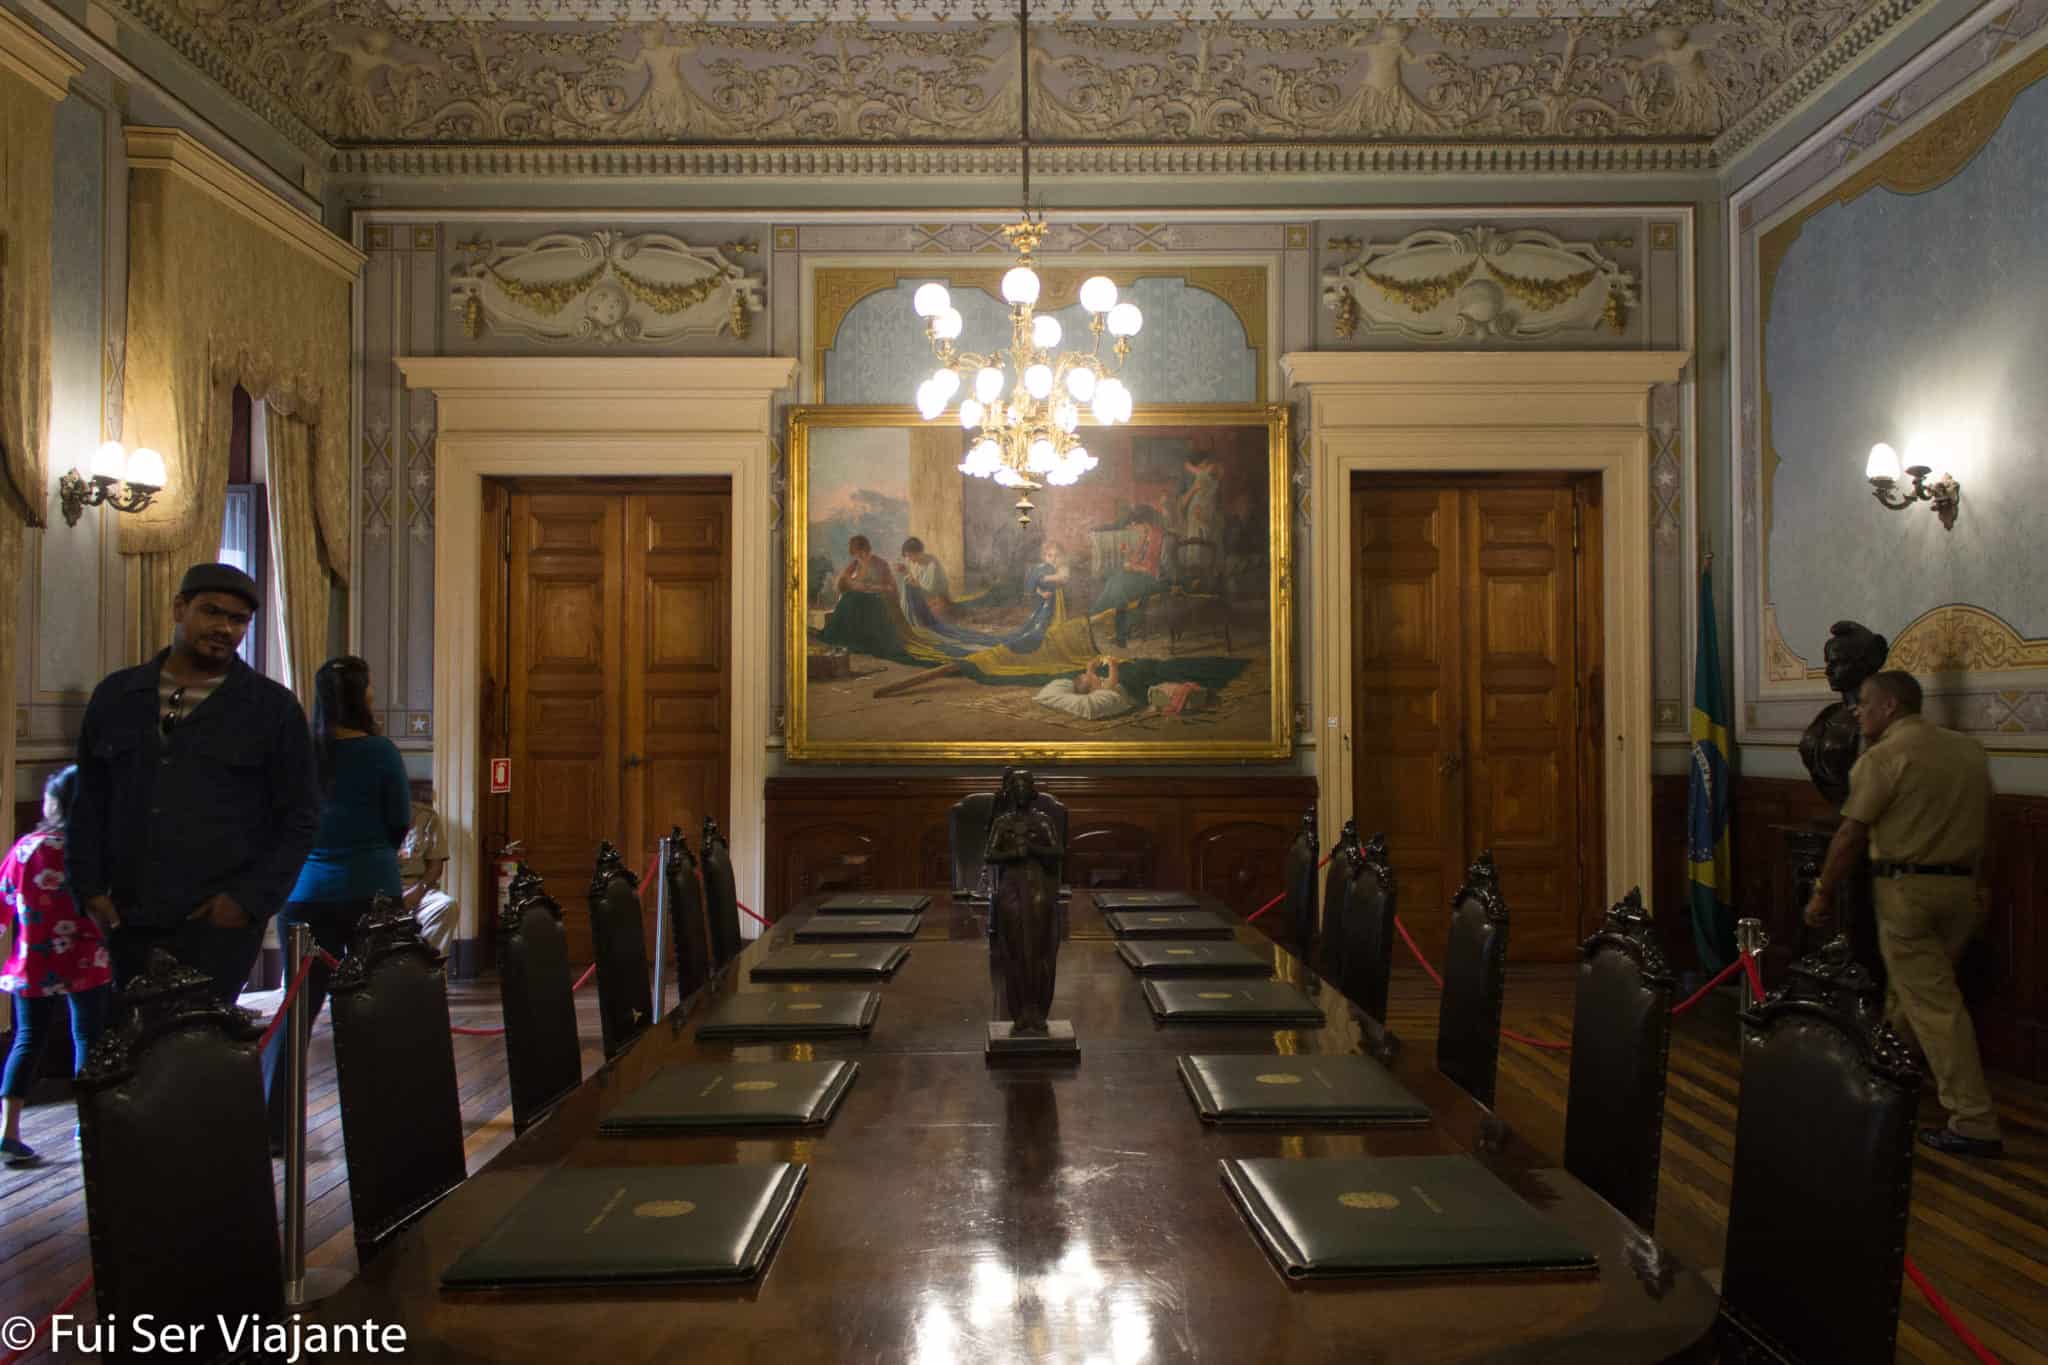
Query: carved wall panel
column 603, row 287
column 1480, row 284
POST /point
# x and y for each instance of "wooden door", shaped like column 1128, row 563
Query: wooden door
column 618, row 618
column 1475, row 656
column 567, row 581
column 677, row 685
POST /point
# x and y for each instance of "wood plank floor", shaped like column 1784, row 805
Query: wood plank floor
column 1979, row 1229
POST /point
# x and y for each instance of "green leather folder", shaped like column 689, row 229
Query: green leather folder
column 1351, row 1091
column 842, row 928
column 1193, row 957
column 734, row 1095
column 1324, row 1217
column 808, row 961
column 791, row 1014
column 636, row 1225
column 1166, row 924
column 1143, row 900
column 868, row 902
column 1210, row 1001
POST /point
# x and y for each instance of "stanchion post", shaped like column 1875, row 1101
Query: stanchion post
column 660, row 926
column 1750, row 938
column 298, row 947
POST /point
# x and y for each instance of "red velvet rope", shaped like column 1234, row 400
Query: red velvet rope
column 42, row 1329
column 581, row 982
column 284, row 1006
column 1283, row 895
column 742, row 905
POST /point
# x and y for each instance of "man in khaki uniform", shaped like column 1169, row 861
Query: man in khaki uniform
column 1921, row 795
column 421, row 859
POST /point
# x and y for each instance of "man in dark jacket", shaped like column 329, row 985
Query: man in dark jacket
column 197, row 796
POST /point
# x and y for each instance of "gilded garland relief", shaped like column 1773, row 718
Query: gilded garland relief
column 356, row 71
column 1480, row 283
column 604, row 287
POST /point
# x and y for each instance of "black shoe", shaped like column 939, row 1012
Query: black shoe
column 1949, row 1141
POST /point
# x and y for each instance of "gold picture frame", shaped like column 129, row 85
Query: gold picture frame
column 884, row 672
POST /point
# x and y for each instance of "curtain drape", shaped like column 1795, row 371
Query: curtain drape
column 219, row 295
column 303, row 583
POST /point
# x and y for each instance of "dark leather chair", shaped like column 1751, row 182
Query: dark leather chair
column 1823, row 1172
column 394, row 1065
column 1329, row 959
column 1299, row 873
column 686, row 918
column 1621, row 1042
column 967, row 836
column 1475, row 980
column 543, row 1056
column 721, row 899
column 1368, row 928
column 179, row 1199
column 618, row 939
column 1200, row 576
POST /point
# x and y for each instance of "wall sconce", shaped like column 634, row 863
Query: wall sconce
column 1883, row 472
column 138, row 478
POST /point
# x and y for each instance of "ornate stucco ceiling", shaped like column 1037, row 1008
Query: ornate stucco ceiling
column 1666, row 85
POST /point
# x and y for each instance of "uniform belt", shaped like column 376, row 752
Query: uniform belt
column 1921, row 870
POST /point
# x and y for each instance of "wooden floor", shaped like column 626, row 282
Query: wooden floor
column 1979, row 1229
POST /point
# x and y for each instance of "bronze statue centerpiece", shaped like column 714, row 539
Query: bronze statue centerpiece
column 1024, row 925
column 1829, row 748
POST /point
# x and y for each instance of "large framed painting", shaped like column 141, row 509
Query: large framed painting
column 1140, row 615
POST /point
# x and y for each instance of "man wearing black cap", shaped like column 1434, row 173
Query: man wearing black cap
column 197, row 799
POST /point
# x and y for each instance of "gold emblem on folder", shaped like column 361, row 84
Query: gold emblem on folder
column 1368, row 1199
column 1212, row 995
column 1158, row 919
column 1279, row 1078
column 867, row 923
column 664, row 1208
column 1180, row 952
column 807, row 1005
column 753, row 1085
column 845, row 955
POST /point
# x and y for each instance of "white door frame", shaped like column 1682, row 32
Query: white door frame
column 1467, row 411
column 585, row 418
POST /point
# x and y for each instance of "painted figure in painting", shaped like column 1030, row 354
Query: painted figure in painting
column 1138, row 578
column 1024, row 936
column 1199, row 519
column 920, row 575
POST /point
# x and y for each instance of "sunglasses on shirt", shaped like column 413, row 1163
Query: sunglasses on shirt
column 174, row 710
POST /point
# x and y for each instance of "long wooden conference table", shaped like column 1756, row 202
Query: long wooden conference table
column 957, row 1211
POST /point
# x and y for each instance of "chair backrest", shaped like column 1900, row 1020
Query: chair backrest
column 618, row 939
column 1329, row 959
column 178, row 1195
column 1475, row 979
column 1299, row 882
column 721, row 899
column 1621, row 1042
column 1368, row 928
column 686, row 917
column 1198, row 565
column 1819, row 1195
column 394, row 1070
column 967, row 836
column 1056, row 811
column 543, row 1056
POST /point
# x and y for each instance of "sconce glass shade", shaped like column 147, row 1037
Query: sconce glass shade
column 146, row 468
column 110, row 461
column 1883, row 464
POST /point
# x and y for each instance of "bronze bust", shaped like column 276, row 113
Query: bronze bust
column 1831, row 743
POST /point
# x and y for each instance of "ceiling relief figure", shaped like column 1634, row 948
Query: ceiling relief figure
column 366, row 72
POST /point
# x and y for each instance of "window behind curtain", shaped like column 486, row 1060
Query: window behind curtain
column 245, row 529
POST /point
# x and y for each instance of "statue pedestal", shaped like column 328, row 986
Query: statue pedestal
column 1056, row 1044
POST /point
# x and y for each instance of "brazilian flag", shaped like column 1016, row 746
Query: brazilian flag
column 1713, row 921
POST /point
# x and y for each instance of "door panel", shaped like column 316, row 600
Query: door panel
column 565, row 667
column 1522, row 734
column 1467, row 637
column 1406, row 667
column 677, row 690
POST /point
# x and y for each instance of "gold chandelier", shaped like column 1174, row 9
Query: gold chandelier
column 1027, row 403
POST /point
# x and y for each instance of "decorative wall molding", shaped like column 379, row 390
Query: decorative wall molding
column 1480, row 283
column 1195, row 72
column 605, row 286
column 177, row 152
column 1816, row 75
column 1964, row 639
column 34, row 58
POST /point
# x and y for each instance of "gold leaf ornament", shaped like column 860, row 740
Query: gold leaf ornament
column 1420, row 296
column 668, row 298
column 1543, row 294
column 550, row 298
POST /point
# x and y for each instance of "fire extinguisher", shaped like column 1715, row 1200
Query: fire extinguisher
column 507, row 864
